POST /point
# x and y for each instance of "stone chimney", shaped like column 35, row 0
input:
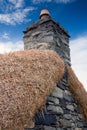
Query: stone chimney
column 61, row 111
column 46, row 33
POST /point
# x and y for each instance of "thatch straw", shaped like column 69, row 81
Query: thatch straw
column 26, row 79
column 78, row 91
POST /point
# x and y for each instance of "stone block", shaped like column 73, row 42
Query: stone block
column 57, row 93
column 55, row 109
column 54, row 100
column 65, row 123
column 47, row 39
column 45, row 119
column 80, row 129
column 68, row 97
column 67, row 116
column 42, row 46
column 80, row 124
column 67, row 92
column 70, row 107
column 49, row 128
column 36, row 33
column 59, row 128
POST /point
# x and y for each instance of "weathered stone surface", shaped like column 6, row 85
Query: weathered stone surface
column 80, row 129
column 58, row 93
column 36, row 33
column 80, row 116
column 67, row 92
column 70, row 107
column 59, row 129
column 50, row 103
column 73, row 125
column 49, row 128
column 65, row 123
column 55, row 109
column 67, row 116
column 42, row 46
column 68, row 97
column 45, row 118
column 80, row 124
column 54, row 100
column 47, row 38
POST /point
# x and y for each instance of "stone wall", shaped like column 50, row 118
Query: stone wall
column 61, row 111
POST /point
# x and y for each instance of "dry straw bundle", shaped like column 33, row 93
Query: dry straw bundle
column 78, row 91
column 26, row 79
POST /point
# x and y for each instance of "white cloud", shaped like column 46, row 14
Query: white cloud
column 57, row 1
column 13, row 12
column 5, row 36
column 79, row 58
column 10, row 46
column 63, row 1
column 40, row 1
column 13, row 1
column 16, row 17
column 17, row 3
column 11, row 5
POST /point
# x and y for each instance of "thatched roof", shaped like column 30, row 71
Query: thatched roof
column 78, row 91
column 26, row 79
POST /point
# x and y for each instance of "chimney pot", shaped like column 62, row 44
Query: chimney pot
column 44, row 14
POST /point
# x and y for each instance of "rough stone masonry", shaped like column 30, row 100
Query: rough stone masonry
column 61, row 111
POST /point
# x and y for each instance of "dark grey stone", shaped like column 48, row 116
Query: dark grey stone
column 50, row 103
column 36, row 33
column 65, row 123
column 43, row 118
column 59, row 129
column 80, row 124
column 55, row 109
column 73, row 125
column 80, row 116
column 53, row 100
column 70, row 107
column 49, row 128
column 67, row 116
column 58, row 93
column 79, row 129
column 68, row 97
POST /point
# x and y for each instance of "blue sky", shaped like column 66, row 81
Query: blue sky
column 16, row 15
